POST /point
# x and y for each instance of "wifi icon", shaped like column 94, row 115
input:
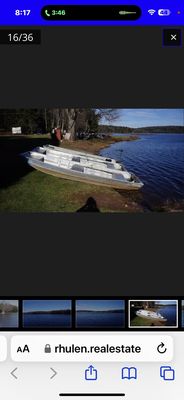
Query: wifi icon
column 151, row 12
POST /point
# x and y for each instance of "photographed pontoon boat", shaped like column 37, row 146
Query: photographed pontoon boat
column 150, row 314
column 82, row 154
column 81, row 166
column 84, row 157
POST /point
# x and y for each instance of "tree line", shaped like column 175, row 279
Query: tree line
column 146, row 129
column 72, row 120
column 7, row 308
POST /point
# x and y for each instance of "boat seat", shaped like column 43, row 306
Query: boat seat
column 118, row 177
column 37, row 156
column 41, row 150
column 78, row 168
column 76, row 159
column 111, row 166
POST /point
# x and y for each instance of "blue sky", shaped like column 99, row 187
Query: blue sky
column 99, row 304
column 12, row 302
column 46, row 305
column 165, row 302
column 136, row 118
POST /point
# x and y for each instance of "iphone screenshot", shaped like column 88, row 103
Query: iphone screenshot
column 91, row 200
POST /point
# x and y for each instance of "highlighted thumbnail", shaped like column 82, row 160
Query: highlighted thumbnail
column 100, row 314
column 47, row 314
column 153, row 313
column 9, row 314
column 182, row 310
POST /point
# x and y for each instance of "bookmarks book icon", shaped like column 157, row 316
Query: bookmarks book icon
column 129, row 373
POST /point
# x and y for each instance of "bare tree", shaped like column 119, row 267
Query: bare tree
column 109, row 114
column 45, row 119
column 71, row 116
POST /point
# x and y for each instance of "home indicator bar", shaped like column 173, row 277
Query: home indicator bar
column 92, row 394
column 91, row 13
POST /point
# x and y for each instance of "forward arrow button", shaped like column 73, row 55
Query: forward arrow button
column 54, row 373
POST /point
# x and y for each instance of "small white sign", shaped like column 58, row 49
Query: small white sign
column 16, row 130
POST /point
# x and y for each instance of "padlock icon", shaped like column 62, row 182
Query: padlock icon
column 47, row 348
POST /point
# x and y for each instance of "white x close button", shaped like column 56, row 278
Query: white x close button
column 172, row 37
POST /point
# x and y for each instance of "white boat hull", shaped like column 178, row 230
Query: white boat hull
column 151, row 315
column 82, row 168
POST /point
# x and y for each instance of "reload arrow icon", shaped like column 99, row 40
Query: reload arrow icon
column 161, row 348
column 54, row 374
column 12, row 373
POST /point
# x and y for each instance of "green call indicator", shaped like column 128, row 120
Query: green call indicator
column 91, row 13
column 53, row 13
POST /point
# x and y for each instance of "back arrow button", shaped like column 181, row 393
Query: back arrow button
column 13, row 373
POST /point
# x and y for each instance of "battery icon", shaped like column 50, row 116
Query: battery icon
column 164, row 12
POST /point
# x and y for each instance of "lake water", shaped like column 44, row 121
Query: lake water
column 47, row 321
column 9, row 320
column 158, row 160
column 169, row 312
column 100, row 319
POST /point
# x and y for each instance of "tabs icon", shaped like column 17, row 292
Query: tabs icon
column 167, row 373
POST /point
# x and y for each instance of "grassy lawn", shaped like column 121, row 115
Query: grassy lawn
column 23, row 189
column 138, row 321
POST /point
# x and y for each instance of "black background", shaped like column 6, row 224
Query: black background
column 92, row 255
column 93, row 67
column 86, row 255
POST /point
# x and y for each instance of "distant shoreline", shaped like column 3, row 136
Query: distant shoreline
column 156, row 307
column 101, row 311
column 68, row 312
column 62, row 312
column 170, row 129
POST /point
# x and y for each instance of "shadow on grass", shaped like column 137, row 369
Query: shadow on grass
column 12, row 165
column 89, row 206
